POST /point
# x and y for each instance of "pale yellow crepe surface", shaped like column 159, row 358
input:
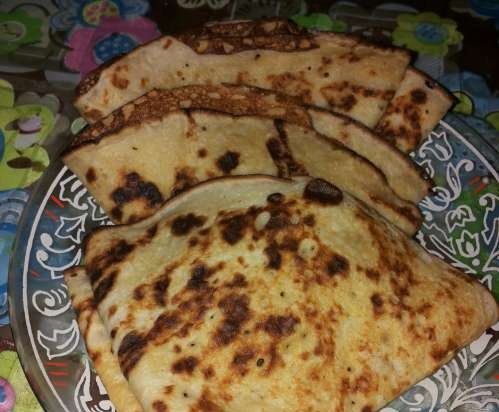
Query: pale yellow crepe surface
column 258, row 294
column 134, row 170
column 329, row 70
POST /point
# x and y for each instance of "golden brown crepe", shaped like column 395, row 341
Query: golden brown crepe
column 413, row 112
column 403, row 176
column 259, row 294
column 133, row 169
column 336, row 71
column 417, row 107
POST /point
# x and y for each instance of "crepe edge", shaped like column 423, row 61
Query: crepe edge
column 416, row 176
column 98, row 348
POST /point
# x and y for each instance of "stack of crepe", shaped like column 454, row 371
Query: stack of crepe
column 266, row 202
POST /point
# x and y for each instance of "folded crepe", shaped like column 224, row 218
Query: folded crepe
column 423, row 101
column 404, row 177
column 262, row 294
column 151, row 150
column 336, row 71
column 414, row 111
column 411, row 115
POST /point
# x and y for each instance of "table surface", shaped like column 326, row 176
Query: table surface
column 62, row 40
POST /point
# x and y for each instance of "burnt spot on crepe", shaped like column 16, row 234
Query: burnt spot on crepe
column 228, row 161
column 115, row 254
column 130, row 351
column 309, row 220
column 134, row 187
column 182, row 225
column 199, row 277
column 118, row 78
column 233, row 228
column 373, row 274
column 377, row 303
column 279, row 326
column 91, row 175
column 234, row 44
column 236, row 313
column 205, row 403
column 185, row 365
column 159, row 406
column 275, row 198
column 418, row 96
column 241, row 359
column 279, row 219
column 273, row 256
column 337, row 265
column 238, row 281
column 321, row 191
column 160, row 288
column 407, row 132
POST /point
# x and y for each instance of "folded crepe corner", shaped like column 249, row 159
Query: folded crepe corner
column 414, row 111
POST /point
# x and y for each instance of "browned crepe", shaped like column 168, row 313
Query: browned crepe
column 146, row 153
column 403, row 176
column 336, row 71
column 255, row 294
column 414, row 111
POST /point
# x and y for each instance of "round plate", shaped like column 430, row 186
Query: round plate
column 461, row 225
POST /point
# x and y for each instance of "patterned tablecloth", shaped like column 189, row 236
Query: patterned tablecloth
column 45, row 47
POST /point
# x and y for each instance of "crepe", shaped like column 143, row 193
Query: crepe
column 134, row 169
column 403, row 176
column 97, row 341
column 260, row 294
column 336, row 71
column 417, row 107
column 414, row 111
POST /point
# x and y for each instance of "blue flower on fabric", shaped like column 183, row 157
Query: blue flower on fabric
column 113, row 45
column 426, row 33
column 90, row 13
column 430, row 33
